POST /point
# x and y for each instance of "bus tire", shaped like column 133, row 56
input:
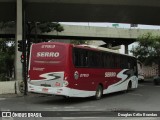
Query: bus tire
column 129, row 87
column 99, row 92
column 155, row 82
column 66, row 97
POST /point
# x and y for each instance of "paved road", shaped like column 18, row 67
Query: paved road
column 145, row 98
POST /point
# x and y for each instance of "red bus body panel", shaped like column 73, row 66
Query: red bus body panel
column 52, row 63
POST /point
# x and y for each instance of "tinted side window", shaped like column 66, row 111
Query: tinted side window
column 100, row 59
column 80, row 57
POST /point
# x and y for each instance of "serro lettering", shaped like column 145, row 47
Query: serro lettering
column 110, row 74
column 48, row 46
column 47, row 54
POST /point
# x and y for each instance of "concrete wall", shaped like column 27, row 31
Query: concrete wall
column 150, row 71
column 7, row 87
column 91, row 31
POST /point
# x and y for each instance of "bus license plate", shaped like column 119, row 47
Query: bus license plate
column 44, row 89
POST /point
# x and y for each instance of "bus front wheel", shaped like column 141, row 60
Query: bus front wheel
column 99, row 92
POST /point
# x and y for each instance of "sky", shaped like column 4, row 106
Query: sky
column 120, row 25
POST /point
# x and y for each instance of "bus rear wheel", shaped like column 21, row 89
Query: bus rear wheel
column 129, row 86
column 99, row 92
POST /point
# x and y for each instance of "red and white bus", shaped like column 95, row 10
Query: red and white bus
column 79, row 71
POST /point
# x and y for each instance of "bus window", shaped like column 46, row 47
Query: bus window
column 80, row 57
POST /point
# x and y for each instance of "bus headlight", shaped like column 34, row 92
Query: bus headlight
column 28, row 79
column 65, row 83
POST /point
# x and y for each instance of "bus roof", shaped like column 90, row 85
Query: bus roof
column 59, row 43
column 84, row 46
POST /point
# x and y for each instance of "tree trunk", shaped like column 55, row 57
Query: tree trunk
column 159, row 67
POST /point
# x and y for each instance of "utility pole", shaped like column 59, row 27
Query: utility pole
column 19, row 34
column 20, row 50
column 24, row 48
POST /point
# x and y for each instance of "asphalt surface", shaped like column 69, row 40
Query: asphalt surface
column 145, row 98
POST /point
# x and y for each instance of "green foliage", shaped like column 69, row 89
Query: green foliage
column 49, row 26
column 10, row 24
column 7, row 46
column 148, row 49
column 6, row 58
column 41, row 27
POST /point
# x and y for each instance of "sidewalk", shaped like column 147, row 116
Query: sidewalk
column 148, row 79
column 8, row 95
column 7, row 87
column 12, row 95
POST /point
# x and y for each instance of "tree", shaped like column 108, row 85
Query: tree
column 42, row 27
column 10, row 24
column 7, row 48
column 148, row 49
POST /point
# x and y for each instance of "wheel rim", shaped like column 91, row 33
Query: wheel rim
column 99, row 93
